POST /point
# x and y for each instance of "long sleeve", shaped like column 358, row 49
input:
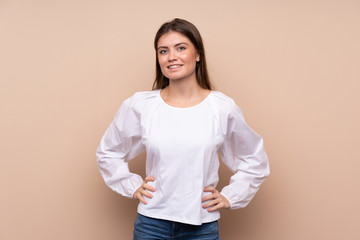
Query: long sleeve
column 243, row 152
column 121, row 142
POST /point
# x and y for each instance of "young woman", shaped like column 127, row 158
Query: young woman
column 182, row 125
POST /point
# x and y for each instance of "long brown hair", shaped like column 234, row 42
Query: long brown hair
column 192, row 33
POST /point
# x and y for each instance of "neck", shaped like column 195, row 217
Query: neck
column 184, row 93
column 184, row 89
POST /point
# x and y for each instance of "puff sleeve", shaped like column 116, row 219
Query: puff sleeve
column 121, row 142
column 243, row 152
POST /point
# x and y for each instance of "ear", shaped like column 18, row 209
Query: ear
column 197, row 57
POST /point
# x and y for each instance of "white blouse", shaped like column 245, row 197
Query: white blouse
column 182, row 146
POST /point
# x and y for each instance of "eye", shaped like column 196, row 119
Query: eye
column 162, row 51
column 181, row 48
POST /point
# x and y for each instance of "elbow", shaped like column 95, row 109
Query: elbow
column 266, row 170
column 267, row 173
column 263, row 173
column 265, row 166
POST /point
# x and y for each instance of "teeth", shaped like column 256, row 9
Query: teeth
column 175, row 66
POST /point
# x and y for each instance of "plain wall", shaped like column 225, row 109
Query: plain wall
column 66, row 66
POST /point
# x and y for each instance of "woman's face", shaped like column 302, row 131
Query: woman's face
column 177, row 56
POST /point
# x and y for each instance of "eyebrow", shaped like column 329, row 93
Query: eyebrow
column 175, row 45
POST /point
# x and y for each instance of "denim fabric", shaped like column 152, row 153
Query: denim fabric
column 157, row 229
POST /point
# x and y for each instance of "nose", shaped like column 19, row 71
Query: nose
column 172, row 56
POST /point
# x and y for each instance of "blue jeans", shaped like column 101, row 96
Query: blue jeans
column 158, row 229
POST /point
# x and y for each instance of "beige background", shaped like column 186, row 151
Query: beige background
column 66, row 66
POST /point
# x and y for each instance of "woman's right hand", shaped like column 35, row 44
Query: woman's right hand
column 141, row 191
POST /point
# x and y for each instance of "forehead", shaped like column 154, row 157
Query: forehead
column 172, row 38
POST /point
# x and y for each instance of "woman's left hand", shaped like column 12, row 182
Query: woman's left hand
column 216, row 202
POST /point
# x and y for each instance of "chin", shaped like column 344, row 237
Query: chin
column 178, row 77
column 172, row 77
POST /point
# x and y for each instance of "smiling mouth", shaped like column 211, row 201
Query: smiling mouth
column 174, row 66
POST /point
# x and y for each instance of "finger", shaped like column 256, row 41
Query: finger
column 146, row 194
column 214, row 195
column 140, row 192
column 217, row 204
column 138, row 195
column 211, row 203
column 148, row 187
column 208, row 197
column 209, row 189
column 214, row 208
column 149, row 179
column 142, row 199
